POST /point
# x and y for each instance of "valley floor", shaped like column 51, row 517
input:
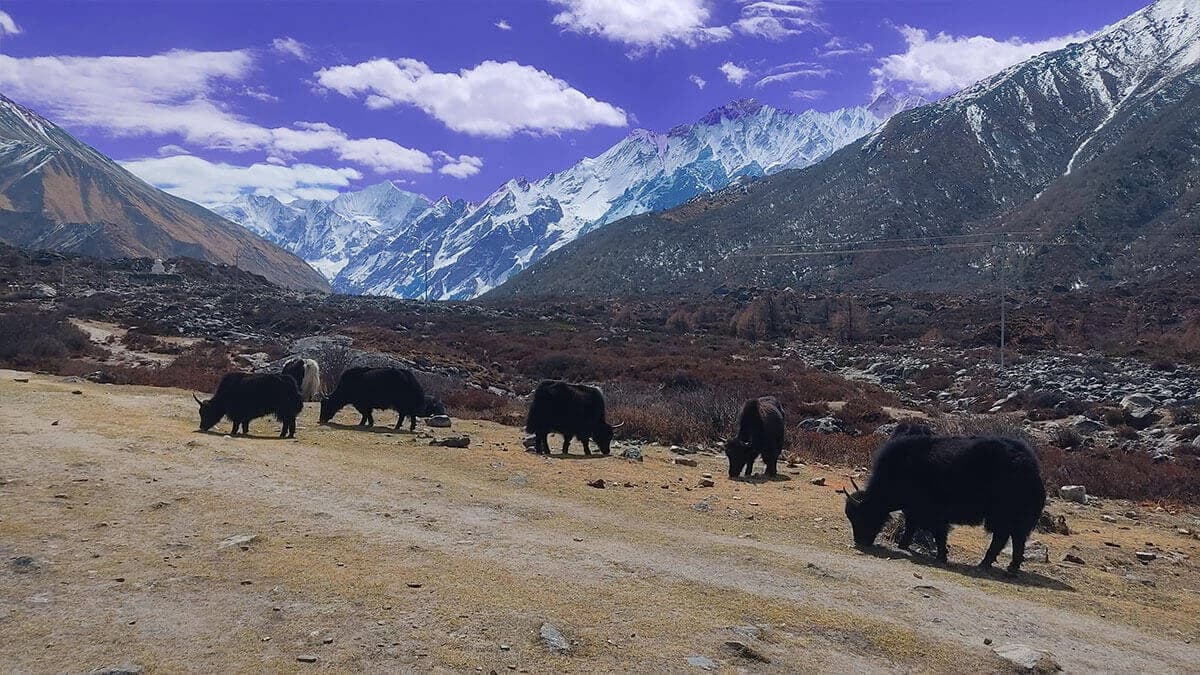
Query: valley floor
column 372, row 550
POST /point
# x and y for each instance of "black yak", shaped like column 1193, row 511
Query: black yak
column 432, row 407
column 307, row 375
column 369, row 389
column 573, row 410
column 760, row 432
column 937, row 482
column 245, row 396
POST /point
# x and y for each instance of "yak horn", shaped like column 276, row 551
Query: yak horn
column 856, row 488
column 618, row 425
column 197, row 399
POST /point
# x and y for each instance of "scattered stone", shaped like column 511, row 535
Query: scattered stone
column 1072, row 558
column 530, row 443
column 460, row 441
column 1145, row 556
column 1073, row 493
column 124, row 668
column 987, row 641
column 1140, row 410
column 439, row 422
column 707, row 482
column 684, row 461
column 819, row 480
column 413, row 584
column 1052, row 524
column 745, row 651
column 239, row 540
column 518, row 480
column 680, row 450
column 598, row 483
column 22, row 380
column 1088, row 426
column 1026, row 659
column 1108, row 519
column 23, row 564
column 554, row 639
column 1035, row 551
column 632, row 452
column 77, row 392
column 306, row 658
column 702, row 662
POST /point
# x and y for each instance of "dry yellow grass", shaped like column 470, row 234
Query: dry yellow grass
column 379, row 552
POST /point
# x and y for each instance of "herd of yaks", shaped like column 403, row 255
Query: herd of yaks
column 935, row 481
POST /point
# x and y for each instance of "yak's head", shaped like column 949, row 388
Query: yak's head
column 432, row 407
column 912, row 429
column 604, row 436
column 735, row 446
column 209, row 413
column 866, row 519
column 328, row 409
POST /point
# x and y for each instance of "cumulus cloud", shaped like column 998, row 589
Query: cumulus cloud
column 946, row 63
column 7, row 25
column 177, row 93
column 291, row 47
column 492, row 99
column 734, row 73
column 792, row 71
column 808, row 94
column 778, row 19
column 463, row 166
column 642, row 24
column 839, row 46
column 698, row 81
column 503, row 24
column 212, row 183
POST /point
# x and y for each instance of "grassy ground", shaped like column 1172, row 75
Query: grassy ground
column 376, row 551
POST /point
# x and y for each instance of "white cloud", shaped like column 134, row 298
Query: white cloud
column 503, row 24
column 791, row 71
column 211, row 183
column 7, row 25
column 642, row 24
column 289, row 46
column 698, row 81
column 176, row 94
column 947, row 63
column 492, row 99
column 778, row 19
column 463, row 166
column 838, row 46
column 734, row 73
column 808, row 94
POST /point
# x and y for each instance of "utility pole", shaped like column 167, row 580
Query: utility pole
column 1003, row 301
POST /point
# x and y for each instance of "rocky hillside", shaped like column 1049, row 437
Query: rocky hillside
column 1082, row 160
column 58, row 193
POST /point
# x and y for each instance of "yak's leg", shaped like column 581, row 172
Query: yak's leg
column 940, row 532
column 543, row 443
column 772, row 462
column 399, row 420
column 412, row 422
column 566, row 443
column 750, row 466
column 999, row 537
column 586, row 449
column 1018, row 556
column 237, row 424
column 906, row 536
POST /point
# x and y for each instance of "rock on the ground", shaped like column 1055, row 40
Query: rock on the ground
column 1072, row 558
column 460, row 441
column 1139, row 408
column 684, row 461
column 439, row 421
column 530, row 442
column 819, row 480
column 1053, row 524
column 707, row 482
column 632, row 452
column 598, row 483
column 1035, row 551
column 1026, row 659
column 554, row 639
column 702, row 662
column 1146, row 556
column 680, row 450
column 239, row 540
column 746, row 651
column 119, row 669
column 1073, row 493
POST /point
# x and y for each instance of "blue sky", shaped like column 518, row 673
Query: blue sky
column 304, row 99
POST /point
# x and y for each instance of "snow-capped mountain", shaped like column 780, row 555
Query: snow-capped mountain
column 1084, row 156
column 327, row 234
column 471, row 248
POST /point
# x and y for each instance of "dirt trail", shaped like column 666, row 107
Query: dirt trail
column 375, row 551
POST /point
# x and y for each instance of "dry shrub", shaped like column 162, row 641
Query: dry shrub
column 836, row 449
column 40, row 341
column 983, row 425
column 144, row 342
column 1119, row 474
column 861, row 415
column 1065, row 437
column 333, row 359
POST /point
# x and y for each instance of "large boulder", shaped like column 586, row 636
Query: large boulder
column 1141, row 410
column 1026, row 659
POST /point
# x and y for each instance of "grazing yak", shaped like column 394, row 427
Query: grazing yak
column 432, row 407
column 245, row 396
column 369, row 389
column 760, row 432
column 307, row 375
column 937, row 482
column 573, row 410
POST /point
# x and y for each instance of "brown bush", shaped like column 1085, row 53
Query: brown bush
column 31, row 339
column 1119, row 474
column 861, row 415
column 836, row 449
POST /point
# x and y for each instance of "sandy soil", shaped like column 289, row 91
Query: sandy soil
column 373, row 550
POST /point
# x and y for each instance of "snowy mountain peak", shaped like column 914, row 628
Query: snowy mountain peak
column 889, row 103
column 732, row 111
